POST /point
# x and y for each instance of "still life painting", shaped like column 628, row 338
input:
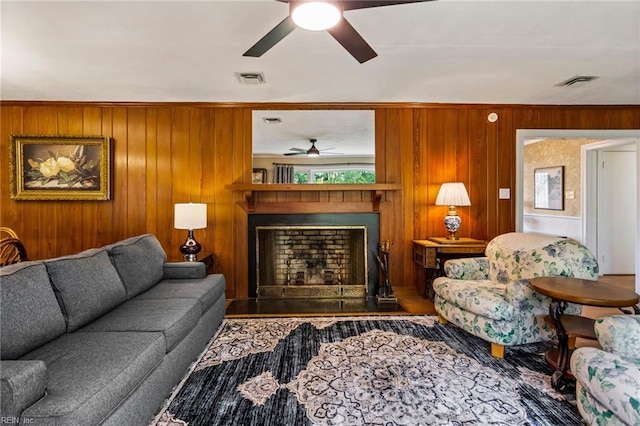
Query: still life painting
column 60, row 167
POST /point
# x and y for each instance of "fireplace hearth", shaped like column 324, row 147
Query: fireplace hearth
column 316, row 256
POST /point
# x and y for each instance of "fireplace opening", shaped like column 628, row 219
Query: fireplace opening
column 311, row 261
column 313, row 255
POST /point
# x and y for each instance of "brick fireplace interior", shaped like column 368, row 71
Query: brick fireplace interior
column 317, row 256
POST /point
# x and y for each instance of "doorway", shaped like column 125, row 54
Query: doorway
column 588, row 185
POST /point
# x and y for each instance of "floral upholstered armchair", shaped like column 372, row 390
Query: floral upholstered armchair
column 608, row 379
column 490, row 296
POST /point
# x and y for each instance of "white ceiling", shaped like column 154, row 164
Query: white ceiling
column 443, row 51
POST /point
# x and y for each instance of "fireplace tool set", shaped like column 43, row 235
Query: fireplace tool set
column 385, row 292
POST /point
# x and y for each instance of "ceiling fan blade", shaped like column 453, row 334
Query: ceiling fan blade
column 353, row 5
column 327, row 149
column 297, row 149
column 295, row 153
column 351, row 40
column 278, row 32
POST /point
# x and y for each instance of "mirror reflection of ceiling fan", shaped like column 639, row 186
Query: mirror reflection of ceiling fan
column 305, row 14
column 313, row 151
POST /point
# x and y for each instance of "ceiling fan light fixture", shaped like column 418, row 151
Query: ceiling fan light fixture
column 313, row 152
column 315, row 15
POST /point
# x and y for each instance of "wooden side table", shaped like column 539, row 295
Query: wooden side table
column 563, row 290
column 429, row 257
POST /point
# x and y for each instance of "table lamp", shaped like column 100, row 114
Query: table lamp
column 190, row 216
column 452, row 194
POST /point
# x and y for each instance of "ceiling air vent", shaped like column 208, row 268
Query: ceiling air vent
column 253, row 78
column 577, row 81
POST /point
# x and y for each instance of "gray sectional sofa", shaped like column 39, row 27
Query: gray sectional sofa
column 102, row 336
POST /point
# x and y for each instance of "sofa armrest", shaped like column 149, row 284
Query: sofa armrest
column 470, row 268
column 22, row 384
column 620, row 334
column 184, row 270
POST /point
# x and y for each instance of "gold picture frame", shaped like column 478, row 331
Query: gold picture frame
column 60, row 167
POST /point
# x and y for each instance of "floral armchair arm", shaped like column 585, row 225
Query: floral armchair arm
column 620, row 334
column 470, row 268
column 521, row 295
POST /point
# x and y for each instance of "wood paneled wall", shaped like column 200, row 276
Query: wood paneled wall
column 169, row 153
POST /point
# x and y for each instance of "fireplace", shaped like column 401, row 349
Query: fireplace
column 313, row 255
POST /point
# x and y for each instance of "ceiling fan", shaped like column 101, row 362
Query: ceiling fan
column 311, row 152
column 337, row 26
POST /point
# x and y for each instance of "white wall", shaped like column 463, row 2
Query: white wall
column 562, row 226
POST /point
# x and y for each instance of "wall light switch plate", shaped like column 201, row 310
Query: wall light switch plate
column 504, row 193
column 570, row 195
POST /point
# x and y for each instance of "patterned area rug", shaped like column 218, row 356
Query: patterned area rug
column 402, row 370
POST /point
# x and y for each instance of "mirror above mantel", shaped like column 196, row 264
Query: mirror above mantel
column 344, row 139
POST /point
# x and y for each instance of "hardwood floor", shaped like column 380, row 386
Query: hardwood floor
column 413, row 302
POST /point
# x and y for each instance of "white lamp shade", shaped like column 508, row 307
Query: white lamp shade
column 190, row 216
column 453, row 194
column 315, row 15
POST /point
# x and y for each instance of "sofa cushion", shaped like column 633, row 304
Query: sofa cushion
column 90, row 374
column 481, row 297
column 86, row 284
column 174, row 318
column 207, row 290
column 29, row 313
column 139, row 261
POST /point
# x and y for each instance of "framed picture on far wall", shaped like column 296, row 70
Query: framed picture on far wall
column 60, row 167
column 549, row 188
column 259, row 176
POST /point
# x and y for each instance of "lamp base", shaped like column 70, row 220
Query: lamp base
column 190, row 248
column 452, row 223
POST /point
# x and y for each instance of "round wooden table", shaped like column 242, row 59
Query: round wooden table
column 563, row 290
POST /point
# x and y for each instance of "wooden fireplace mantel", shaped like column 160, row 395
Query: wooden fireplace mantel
column 251, row 189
